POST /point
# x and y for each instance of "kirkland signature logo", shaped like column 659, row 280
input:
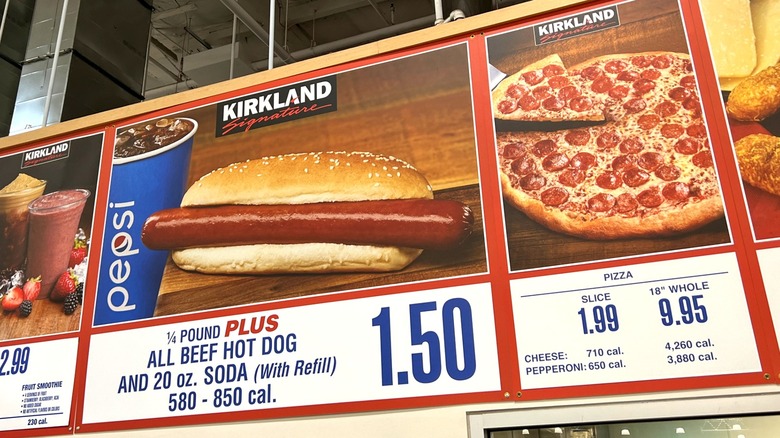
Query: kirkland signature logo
column 576, row 25
column 280, row 105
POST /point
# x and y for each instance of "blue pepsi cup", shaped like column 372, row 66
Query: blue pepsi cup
column 146, row 178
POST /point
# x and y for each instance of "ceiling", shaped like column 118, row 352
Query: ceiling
column 191, row 39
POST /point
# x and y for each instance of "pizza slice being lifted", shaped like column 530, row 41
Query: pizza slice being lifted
column 543, row 92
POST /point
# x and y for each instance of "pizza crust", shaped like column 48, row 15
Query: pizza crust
column 668, row 222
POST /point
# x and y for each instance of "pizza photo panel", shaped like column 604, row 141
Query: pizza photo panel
column 604, row 146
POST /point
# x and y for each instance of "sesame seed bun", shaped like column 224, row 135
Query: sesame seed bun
column 308, row 178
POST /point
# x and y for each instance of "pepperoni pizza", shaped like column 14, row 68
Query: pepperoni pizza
column 646, row 170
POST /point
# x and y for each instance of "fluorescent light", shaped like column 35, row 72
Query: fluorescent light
column 625, row 432
column 525, row 432
column 558, row 430
column 679, row 430
column 736, row 427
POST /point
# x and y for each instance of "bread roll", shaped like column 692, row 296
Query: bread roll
column 759, row 161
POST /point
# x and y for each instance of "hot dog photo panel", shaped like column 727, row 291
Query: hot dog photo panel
column 601, row 138
column 324, row 184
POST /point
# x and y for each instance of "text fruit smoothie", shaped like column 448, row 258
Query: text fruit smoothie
column 13, row 219
column 54, row 220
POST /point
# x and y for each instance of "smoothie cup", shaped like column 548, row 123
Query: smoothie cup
column 142, row 183
column 54, row 221
column 13, row 225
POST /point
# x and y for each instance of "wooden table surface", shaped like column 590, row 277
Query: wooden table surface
column 46, row 318
column 183, row 291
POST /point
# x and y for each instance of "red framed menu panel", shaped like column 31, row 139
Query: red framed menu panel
column 609, row 113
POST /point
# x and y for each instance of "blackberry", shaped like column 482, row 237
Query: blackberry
column 79, row 292
column 71, row 302
column 25, row 308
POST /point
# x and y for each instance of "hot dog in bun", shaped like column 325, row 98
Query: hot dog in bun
column 308, row 212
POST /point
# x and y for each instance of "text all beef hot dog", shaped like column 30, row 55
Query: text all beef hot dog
column 328, row 211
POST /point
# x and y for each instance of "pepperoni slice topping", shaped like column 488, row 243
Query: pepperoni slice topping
column 662, row 61
column 668, row 172
column 568, row 92
column 533, row 77
column 626, row 203
column 602, row 84
column 591, row 73
column 703, row 159
column 601, row 203
column 696, row 130
column 615, row 66
column 680, row 93
column 553, row 104
column 688, row 81
column 627, row 76
column 650, row 161
column 558, row 81
column 513, row 151
column 544, row 147
column 623, row 162
column 643, row 86
column 542, row 92
column 641, row 61
column 577, row 137
column 554, row 196
column 555, row 162
column 687, row 146
column 631, row 145
column 581, row 104
column 650, row 74
column 667, row 108
column 517, row 90
column 650, row 198
column 609, row 180
column 532, row 181
column 507, row 106
column 672, row 130
column 648, row 121
column 528, row 103
column 692, row 104
column 553, row 70
column 582, row 160
column 571, row 177
column 676, row 191
column 607, row 140
column 635, row 177
column 523, row 166
column 618, row 92
column 635, row 105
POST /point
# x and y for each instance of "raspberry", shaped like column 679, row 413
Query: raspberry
column 25, row 308
column 71, row 303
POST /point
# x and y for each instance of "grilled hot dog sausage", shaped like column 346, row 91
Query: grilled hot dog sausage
column 412, row 223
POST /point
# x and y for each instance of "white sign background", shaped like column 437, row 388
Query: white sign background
column 340, row 331
column 555, row 349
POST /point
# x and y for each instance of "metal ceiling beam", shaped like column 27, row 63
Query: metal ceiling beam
column 257, row 29
column 162, row 15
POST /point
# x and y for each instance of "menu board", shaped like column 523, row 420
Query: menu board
column 551, row 208
column 48, row 199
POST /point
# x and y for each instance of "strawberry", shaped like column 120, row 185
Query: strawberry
column 78, row 253
column 32, row 288
column 65, row 286
column 13, row 298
